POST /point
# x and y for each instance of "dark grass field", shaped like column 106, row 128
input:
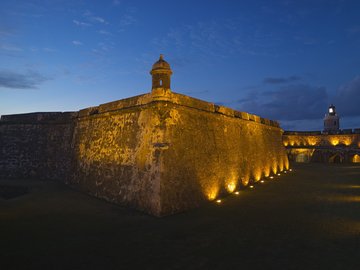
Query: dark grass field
column 306, row 219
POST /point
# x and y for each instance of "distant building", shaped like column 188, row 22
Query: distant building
column 331, row 120
column 332, row 145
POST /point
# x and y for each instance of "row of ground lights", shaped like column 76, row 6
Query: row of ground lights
column 252, row 186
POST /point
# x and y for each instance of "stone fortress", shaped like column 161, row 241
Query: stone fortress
column 161, row 152
column 332, row 145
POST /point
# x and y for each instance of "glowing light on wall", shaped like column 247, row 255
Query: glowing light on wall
column 274, row 168
column 212, row 193
column 281, row 166
column 231, row 187
column 334, row 141
column 257, row 174
column 267, row 171
column 312, row 141
column 356, row 159
column 245, row 180
column 347, row 141
column 287, row 164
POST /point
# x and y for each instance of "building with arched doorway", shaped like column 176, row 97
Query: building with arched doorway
column 332, row 145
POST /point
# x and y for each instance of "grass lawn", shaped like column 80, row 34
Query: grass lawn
column 306, row 219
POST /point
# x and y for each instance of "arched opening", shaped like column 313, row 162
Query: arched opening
column 160, row 82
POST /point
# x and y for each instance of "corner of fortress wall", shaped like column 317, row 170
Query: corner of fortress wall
column 161, row 153
column 164, row 152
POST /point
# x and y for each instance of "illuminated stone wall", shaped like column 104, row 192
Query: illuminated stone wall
column 116, row 154
column 161, row 153
column 166, row 153
column 319, row 139
column 322, row 147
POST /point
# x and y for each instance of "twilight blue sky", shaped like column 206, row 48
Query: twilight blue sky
column 284, row 60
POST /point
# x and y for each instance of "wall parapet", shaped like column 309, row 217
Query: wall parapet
column 38, row 118
column 178, row 99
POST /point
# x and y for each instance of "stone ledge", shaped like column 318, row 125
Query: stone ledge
column 174, row 98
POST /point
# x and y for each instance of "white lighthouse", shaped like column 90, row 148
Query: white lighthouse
column 331, row 120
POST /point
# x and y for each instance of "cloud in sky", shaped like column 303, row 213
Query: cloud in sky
column 103, row 32
column 201, row 38
column 10, row 48
column 222, row 38
column 15, row 80
column 99, row 19
column 91, row 17
column 280, row 80
column 126, row 20
column 77, row 43
column 347, row 98
column 291, row 102
column 80, row 23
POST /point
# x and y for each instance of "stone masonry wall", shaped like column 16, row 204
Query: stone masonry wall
column 115, row 156
column 304, row 139
column 161, row 153
column 323, row 147
column 166, row 153
column 35, row 145
column 209, row 154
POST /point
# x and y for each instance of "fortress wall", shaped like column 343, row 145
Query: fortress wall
column 166, row 153
column 161, row 153
column 35, row 145
column 115, row 156
column 209, row 154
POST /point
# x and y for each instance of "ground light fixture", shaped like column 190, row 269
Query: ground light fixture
column 236, row 192
column 262, row 181
column 218, row 201
column 251, row 186
column 271, row 177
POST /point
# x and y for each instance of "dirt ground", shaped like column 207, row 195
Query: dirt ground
column 306, row 219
